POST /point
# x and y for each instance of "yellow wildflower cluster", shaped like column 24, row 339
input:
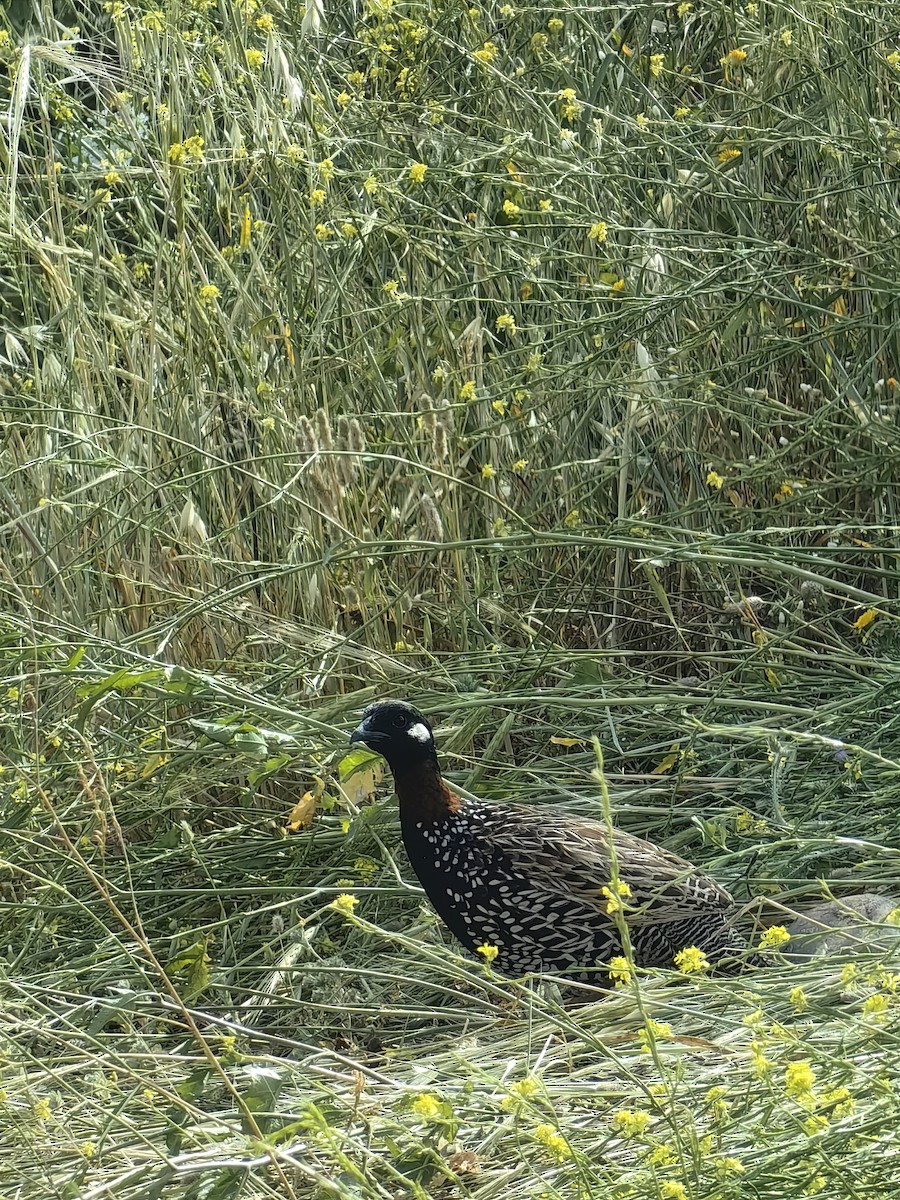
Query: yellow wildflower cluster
column 799, row 1078
column 552, row 1141
column 691, row 960
column 427, row 1106
column 614, row 894
column 630, row 1122
column 190, row 151
column 774, row 937
column 619, row 971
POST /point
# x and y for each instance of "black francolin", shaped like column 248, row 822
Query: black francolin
column 534, row 884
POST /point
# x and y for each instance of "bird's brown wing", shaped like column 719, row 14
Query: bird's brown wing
column 572, row 855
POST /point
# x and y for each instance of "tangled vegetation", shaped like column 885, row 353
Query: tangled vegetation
column 536, row 364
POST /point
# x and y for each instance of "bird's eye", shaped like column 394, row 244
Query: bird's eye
column 399, row 722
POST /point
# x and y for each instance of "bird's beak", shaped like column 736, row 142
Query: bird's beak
column 369, row 737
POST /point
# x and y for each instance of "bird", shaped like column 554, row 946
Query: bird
column 535, row 891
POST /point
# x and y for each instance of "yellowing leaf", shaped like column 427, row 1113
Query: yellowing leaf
column 564, row 741
column 865, row 620
column 246, row 226
column 668, row 761
column 773, row 679
column 302, row 813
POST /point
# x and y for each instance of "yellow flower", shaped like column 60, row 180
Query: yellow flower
column 520, row 465
column 681, row 112
column 506, row 323
column 798, row 999
column 265, row 23
column 655, row 1029
column 684, row 8
column 545, row 205
column 344, row 903
column 619, row 971
column 323, row 232
column 816, row 1123
column 875, row 1006
column 629, row 1122
column 555, row 25
column 417, row 172
column 671, row 1189
column 317, row 197
column 691, row 960
column 467, row 391
column 12, row 693
column 87, row 1149
column 786, row 37
column 348, row 229
column 618, row 287
column 510, row 210
column 598, row 232
column 371, row 185
column 41, row 1110
column 539, row 43
column 390, row 288
column 487, row 53
column 774, row 937
column 255, row 59
column 326, row 169
column 733, row 58
column 840, row 1101
column 799, row 1078
column 427, row 1106
column 849, row 974
column 656, row 64
column 488, row 953
column 208, row 294
column 893, row 60
column 487, row 471
column 715, row 480
column 111, row 178
column 642, row 121
column 612, row 896
column 526, row 1088
column 728, row 154
column 507, row 10
column 729, row 1166
column 553, row 1141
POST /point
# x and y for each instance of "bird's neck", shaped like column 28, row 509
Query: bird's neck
column 422, row 793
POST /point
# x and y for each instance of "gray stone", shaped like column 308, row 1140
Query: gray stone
column 853, row 923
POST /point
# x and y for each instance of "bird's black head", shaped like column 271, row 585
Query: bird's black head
column 398, row 732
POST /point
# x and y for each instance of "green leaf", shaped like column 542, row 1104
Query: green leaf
column 355, row 761
column 194, row 962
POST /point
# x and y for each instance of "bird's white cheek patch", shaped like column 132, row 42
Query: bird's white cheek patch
column 420, row 732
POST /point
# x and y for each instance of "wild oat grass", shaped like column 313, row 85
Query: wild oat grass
column 536, row 364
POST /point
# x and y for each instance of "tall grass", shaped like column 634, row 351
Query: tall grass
column 539, row 365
